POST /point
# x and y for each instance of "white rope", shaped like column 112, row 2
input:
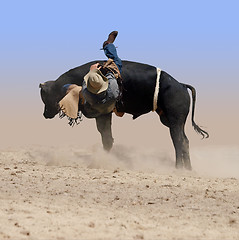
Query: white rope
column 156, row 91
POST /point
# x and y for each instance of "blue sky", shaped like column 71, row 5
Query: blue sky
column 56, row 35
column 197, row 42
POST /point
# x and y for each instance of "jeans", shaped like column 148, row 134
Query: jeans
column 110, row 52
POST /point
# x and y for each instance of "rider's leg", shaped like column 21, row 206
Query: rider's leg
column 110, row 50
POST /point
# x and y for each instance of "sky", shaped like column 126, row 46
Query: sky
column 197, row 42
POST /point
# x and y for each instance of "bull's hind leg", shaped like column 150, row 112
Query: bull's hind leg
column 181, row 145
column 186, row 156
column 103, row 124
column 180, row 140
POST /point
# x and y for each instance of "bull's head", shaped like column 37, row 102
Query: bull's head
column 50, row 98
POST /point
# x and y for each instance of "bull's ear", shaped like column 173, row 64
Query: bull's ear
column 41, row 85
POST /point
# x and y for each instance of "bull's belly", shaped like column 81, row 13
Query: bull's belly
column 136, row 108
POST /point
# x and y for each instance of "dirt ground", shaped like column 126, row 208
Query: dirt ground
column 73, row 193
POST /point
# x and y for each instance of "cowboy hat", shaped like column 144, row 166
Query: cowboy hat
column 96, row 82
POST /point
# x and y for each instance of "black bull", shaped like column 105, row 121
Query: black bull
column 138, row 90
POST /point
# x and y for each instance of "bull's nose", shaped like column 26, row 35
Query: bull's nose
column 48, row 116
column 45, row 116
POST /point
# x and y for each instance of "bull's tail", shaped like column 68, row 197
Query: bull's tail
column 195, row 126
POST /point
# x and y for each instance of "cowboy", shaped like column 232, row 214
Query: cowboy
column 100, row 91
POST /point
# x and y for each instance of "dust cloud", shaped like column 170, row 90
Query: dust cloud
column 220, row 161
column 216, row 161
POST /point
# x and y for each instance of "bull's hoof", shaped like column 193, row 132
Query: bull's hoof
column 188, row 167
column 179, row 165
column 108, row 145
column 107, row 149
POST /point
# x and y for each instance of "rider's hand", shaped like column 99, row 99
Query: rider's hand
column 95, row 66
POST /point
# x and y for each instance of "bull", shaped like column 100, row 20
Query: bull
column 138, row 92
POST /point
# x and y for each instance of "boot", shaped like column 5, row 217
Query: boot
column 111, row 38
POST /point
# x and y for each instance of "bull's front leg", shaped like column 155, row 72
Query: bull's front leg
column 103, row 124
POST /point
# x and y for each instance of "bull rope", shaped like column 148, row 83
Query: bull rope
column 156, row 91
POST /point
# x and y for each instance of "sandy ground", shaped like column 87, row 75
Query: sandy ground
column 73, row 193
